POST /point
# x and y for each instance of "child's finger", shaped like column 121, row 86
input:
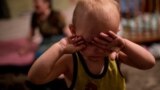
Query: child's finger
column 101, row 41
column 112, row 34
column 106, row 37
column 103, row 47
column 79, row 43
column 76, row 40
column 73, row 36
column 77, row 48
column 113, row 55
column 70, row 39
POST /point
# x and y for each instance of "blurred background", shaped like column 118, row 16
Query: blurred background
column 140, row 23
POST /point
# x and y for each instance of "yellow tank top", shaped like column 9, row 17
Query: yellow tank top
column 109, row 79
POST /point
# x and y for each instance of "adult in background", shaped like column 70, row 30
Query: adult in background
column 49, row 22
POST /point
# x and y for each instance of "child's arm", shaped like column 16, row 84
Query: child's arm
column 135, row 55
column 131, row 53
column 53, row 62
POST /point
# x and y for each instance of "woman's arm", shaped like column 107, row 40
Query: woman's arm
column 33, row 26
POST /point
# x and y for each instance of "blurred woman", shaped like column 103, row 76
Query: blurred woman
column 50, row 23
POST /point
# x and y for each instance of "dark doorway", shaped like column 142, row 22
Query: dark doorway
column 4, row 11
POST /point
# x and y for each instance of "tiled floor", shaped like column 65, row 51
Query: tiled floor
column 143, row 80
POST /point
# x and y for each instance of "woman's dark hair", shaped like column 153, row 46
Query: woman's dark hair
column 50, row 3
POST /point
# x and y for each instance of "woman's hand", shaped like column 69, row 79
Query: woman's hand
column 109, row 42
column 71, row 44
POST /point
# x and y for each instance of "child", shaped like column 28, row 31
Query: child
column 90, row 58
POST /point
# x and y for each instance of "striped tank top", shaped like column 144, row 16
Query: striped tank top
column 110, row 78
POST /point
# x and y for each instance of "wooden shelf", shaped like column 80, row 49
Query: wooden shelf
column 141, row 39
column 149, row 40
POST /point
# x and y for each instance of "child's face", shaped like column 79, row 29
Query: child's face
column 91, row 50
column 41, row 5
column 91, row 23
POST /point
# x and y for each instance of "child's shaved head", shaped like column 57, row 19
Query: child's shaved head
column 96, row 14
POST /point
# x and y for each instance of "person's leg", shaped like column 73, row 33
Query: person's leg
column 56, row 38
column 42, row 47
column 47, row 42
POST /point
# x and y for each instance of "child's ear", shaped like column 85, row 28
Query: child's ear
column 72, row 29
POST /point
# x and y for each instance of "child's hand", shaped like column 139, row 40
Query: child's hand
column 71, row 44
column 109, row 42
